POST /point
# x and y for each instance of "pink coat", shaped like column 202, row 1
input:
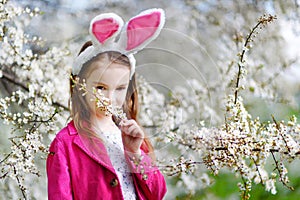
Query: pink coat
column 74, row 173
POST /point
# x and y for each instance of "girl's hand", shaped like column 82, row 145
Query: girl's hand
column 132, row 136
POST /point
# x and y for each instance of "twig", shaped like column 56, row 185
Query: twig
column 262, row 21
column 20, row 185
column 279, row 171
column 11, row 79
column 283, row 138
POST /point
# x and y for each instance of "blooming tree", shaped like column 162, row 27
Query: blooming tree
column 33, row 107
column 241, row 143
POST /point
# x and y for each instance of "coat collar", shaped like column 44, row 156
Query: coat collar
column 71, row 128
column 93, row 148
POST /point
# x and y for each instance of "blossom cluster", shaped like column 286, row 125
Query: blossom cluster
column 244, row 145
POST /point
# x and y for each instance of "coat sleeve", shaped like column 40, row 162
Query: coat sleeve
column 148, row 180
column 59, row 181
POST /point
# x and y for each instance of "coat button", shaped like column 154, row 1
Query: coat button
column 145, row 177
column 114, row 182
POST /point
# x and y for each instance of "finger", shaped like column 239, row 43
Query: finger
column 139, row 134
column 124, row 129
column 126, row 122
column 130, row 132
column 133, row 131
column 131, row 128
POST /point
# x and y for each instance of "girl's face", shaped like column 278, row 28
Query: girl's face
column 112, row 80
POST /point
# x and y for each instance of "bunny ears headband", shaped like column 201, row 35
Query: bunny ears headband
column 109, row 34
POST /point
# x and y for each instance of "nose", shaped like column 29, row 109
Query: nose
column 111, row 96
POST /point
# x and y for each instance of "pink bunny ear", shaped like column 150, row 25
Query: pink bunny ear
column 144, row 28
column 105, row 27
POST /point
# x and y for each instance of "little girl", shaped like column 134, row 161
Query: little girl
column 94, row 157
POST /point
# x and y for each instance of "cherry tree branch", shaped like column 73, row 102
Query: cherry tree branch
column 16, row 82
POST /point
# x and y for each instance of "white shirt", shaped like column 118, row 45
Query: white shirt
column 115, row 150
